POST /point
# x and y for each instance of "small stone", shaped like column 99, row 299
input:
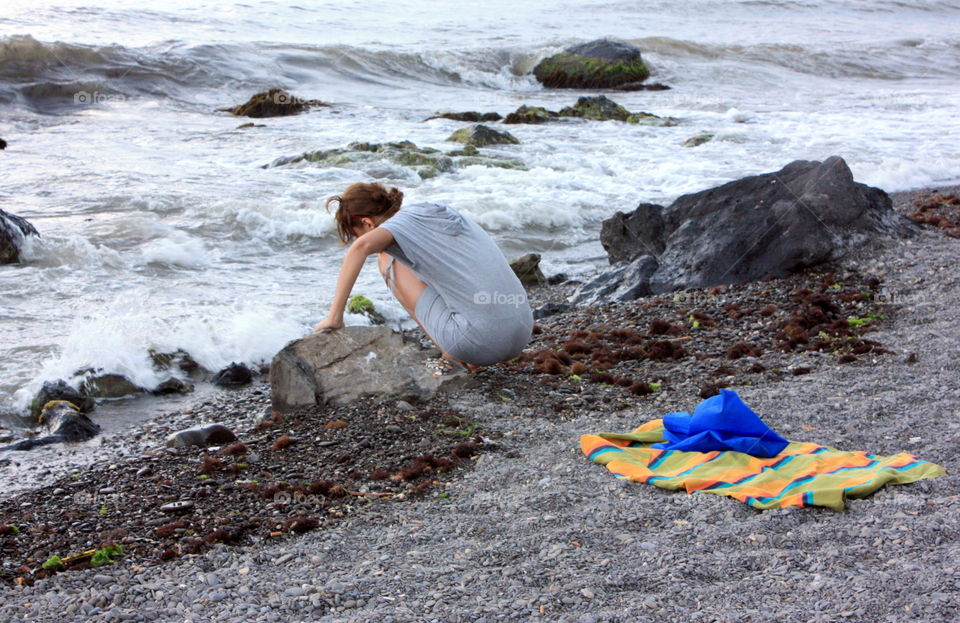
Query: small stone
column 283, row 559
column 586, row 592
column 180, row 506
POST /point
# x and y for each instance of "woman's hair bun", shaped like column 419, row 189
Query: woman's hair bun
column 394, row 198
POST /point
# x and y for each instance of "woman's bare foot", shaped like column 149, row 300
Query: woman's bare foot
column 469, row 367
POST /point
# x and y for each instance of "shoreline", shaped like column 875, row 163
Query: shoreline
column 506, row 524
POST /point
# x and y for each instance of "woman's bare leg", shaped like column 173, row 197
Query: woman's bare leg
column 408, row 288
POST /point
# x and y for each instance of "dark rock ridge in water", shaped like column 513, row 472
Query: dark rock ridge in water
column 13, row 231
column 379, row 159
column 470, row 116
column 598, row 64
column 593, row 108
column 65, row 422
column 272, row 103
column 480, row 135
column 772, row 224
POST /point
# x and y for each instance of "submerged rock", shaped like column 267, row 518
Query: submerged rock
column 471, row 116
column 527, row 269
column 531, row 114
column 340, row 366
column 179, row 359
column 772, row 224
column 641, row 86
column 234, row 375
column 480, row 136
column 602, row 108
column 595, row 108
column 598, row 64
column 699, row 139
column 272, row 103
column 173, row 385
column 109, row 386
column 206, row 435
column 60, row 390
column 13, row 232
column 65, row 423
column 425, row 161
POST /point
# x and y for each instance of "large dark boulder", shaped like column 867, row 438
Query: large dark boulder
column 772, row 224
column 598, row 64
column 13, row 231
column 60, row 390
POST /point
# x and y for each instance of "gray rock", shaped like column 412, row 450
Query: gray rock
column 208, row 435
column 13, row 231
column 234, row 375
column 772, row 224
column 527, row 269
column 480, row 135
column 109, row 386
column 339, row 366
column 173, row 385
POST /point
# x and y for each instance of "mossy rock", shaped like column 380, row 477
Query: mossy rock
column 272, row 103
column 598, row 108
column 531, row 114
column 645, row 118
column 497, row 163
column 427, row 162
column 359, row 304
column 600, row 64
column 473, row 117
column 699, row 139
column 480, row 135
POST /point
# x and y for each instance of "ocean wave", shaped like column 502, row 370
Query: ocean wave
column 47, row 75
column 892, row 60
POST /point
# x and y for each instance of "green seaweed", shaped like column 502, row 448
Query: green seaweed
column 106, row 555
column 567, row 70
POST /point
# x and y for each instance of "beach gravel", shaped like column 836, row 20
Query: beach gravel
column 534, row 531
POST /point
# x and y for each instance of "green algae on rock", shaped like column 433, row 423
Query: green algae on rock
column 470, row 116
column 699, row 139
column 531, row 114
column 480, row 136
column 359, row 304
column 599, row 64
column 594, row 108
column 427, row 162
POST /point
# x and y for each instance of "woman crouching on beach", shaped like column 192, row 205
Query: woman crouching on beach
column 451, row 277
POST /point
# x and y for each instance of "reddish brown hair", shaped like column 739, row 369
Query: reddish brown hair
column 363, row 200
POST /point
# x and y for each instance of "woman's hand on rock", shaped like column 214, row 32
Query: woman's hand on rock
column 328, row 324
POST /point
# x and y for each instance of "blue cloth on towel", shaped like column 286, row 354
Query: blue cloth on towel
column 721, row 422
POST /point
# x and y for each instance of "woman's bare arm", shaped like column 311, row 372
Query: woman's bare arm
column 374, row 241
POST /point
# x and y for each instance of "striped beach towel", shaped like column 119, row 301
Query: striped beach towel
column 804, row 474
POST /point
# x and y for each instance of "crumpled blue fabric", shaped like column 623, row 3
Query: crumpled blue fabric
column 721, row 422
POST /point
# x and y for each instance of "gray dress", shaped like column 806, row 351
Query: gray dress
column 473, row 307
